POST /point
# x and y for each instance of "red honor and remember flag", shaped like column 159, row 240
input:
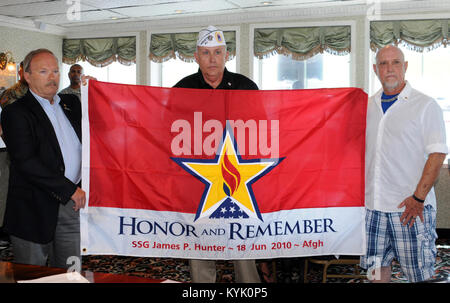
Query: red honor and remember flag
column 223, row 174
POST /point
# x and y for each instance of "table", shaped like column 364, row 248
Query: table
column 13, row 272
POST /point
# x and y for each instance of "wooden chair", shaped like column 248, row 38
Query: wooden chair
column 347, row 260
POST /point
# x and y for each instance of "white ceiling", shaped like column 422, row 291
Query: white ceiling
column 72, row 18
column 72, row 13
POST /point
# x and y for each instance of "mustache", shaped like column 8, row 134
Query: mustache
column 51, row 83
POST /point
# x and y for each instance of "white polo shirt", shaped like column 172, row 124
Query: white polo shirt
column 397, row 146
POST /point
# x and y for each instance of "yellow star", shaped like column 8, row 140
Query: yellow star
column 229, row 176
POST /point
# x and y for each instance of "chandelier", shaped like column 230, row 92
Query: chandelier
column 7, row 60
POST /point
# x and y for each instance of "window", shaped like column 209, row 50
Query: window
column 114, row 72
column 168, row 73
column 100, row 51
column 321, row 70
column 427, row 73
column 302, row 57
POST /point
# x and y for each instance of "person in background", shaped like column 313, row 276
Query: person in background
column 16, row 91
column 9, row 96
column 405, row 148
column 211, row 56
column 42, row 133
column 74, row 74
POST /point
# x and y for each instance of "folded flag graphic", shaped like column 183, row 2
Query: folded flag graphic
column 222, row 174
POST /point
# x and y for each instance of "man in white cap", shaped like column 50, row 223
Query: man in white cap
column 211, row 56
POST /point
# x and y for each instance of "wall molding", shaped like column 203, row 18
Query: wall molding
column 26, row 24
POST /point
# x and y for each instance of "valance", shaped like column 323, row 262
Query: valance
column 100, row 51
column 164, row 47
column 418, row 35
column 302, row 43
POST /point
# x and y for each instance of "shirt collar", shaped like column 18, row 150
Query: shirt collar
column 225, row 79
column 406, row 92
column 403, row 95
column 44, row 102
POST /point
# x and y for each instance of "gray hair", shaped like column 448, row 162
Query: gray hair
column 389, row 46
column 29, row 57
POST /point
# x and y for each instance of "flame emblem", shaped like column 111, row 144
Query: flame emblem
column 231, row 176
column 228, row 180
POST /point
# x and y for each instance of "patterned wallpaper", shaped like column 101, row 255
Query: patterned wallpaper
column 20, row 42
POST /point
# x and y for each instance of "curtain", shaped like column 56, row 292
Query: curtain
column 164, row 47
column 418, row 35
column 100, row 51
column 302, row 43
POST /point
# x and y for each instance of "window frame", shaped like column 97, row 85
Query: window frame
column 351, row 23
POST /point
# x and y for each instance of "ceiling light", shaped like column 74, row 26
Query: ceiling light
column 179, row 11
column 267, row 2
column 39, row 25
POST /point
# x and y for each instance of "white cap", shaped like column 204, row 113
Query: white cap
column 210, row 37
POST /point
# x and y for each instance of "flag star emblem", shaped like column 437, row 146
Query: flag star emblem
column 228, row 180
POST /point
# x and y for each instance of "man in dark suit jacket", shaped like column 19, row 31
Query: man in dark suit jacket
column 42, row 133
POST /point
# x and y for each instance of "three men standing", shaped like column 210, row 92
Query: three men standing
column 405, row 148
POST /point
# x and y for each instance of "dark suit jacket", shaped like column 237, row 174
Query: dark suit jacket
column 37, row 184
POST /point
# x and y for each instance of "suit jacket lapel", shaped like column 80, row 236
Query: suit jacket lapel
column 70, row 114
column 44, row 121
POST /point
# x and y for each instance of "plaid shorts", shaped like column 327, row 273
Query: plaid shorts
column 414, row 248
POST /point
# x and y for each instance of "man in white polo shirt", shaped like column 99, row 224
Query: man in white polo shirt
column 405, row 148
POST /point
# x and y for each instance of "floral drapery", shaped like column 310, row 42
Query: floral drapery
column 302, row 43
column 100, row 51
column 418, row 35
column 164, row 47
